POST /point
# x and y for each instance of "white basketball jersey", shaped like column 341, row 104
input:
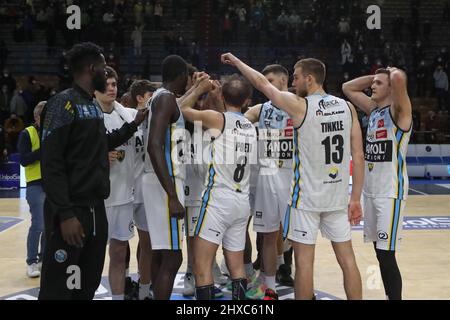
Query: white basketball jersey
column 174, row 145
column 121, row 172
column 322, row 155
column 233, row 153
column 140, row 138
column 275, row 137
column 196, row 168
column 385, row 155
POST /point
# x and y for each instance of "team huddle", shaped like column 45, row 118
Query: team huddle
column 193, row 159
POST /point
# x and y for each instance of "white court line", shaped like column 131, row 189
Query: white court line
column 423, row 193
column 447, row 186
column 10, row 228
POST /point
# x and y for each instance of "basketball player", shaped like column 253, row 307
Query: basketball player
column 272, row 193
column 326, row 133
column 163, row 182
column 225, row 202
column 195, row 176
column 141, row 93
column 119, row 205
column 75, row 174
column 388, row 133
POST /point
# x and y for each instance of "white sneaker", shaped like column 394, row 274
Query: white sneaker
column 33, row 270
column 189, row 285
column 219, row 278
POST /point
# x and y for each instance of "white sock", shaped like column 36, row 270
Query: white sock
column 127, row 272
column 280, row 261
column 117, row 296
column 270, row 282
column 144, row 291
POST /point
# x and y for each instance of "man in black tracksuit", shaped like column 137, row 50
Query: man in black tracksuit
column 75, row 173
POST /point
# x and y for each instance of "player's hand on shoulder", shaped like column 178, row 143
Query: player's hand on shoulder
column 141, row 115
column 112, row 156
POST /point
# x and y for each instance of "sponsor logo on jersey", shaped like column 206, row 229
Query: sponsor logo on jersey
column 381, row 123
column 120, row 155
column 379, row 151
column 289, row 132
column 370, row 166
column 381, row 134
column 279, row 117
column 290, row 123
column 382, row 236
column 327, row 104
column 245, row 125
column 258, row 214
column 333, row 172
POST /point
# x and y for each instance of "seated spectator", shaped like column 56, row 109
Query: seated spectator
column 346, row 51
column 42, row 19
column 13, row 127
column 7, row 78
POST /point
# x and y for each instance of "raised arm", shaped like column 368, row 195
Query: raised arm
column 164, row 110
column 354, row 90
column 401, row 107
column 210, row 119
column 355, row 211
column 252, row 114
column 289, row 102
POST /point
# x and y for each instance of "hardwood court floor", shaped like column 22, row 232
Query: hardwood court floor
column 424, row 257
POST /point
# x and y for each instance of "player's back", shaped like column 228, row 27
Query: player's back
column 322, row 155
column 232, row 154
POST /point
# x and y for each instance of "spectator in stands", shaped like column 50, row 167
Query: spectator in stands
column 4, row 52
column 446, row 12
column 136, row 37
column 6, row 78
column 138, row 10
column 242, row 17
column 227, row 30
column 5, row 100
column 194, row 54
column 113, row 61
column 19, row 32
column 3, row 148
column 427, row 31
column 397, row 30
column 343, row 27
column 421, row 76
column 158, row 15
column 365, row 67
column 441, row 86
column 13, row 127
column 28, row 28
column 18, row 105
column 30, row 155
column 42, row 19
column 346, row 51
column 417, row 53
column 148, row 13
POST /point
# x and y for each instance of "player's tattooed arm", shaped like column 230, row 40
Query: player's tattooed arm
column 354, row 90
column 401, row 106
column 164, row 110
column 294, row 105
column 252, row 114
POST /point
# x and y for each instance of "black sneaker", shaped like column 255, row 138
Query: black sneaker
column 131, row 291
column 283, row 276
column 257, row 263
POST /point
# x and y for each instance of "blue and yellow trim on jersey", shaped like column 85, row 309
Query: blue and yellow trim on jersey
column 174, row 229
column 168, row 149
column 395, row 220
column 206, row 195
column 400, row 167
column 287, row 222
column 295, row 195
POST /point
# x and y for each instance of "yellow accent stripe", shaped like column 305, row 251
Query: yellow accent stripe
column 392, row 222
column 168, row 221
column 207, row 204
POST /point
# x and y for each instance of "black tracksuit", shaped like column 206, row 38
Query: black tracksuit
column 75, row 175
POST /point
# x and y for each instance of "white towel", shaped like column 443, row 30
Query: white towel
column 127, row 114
